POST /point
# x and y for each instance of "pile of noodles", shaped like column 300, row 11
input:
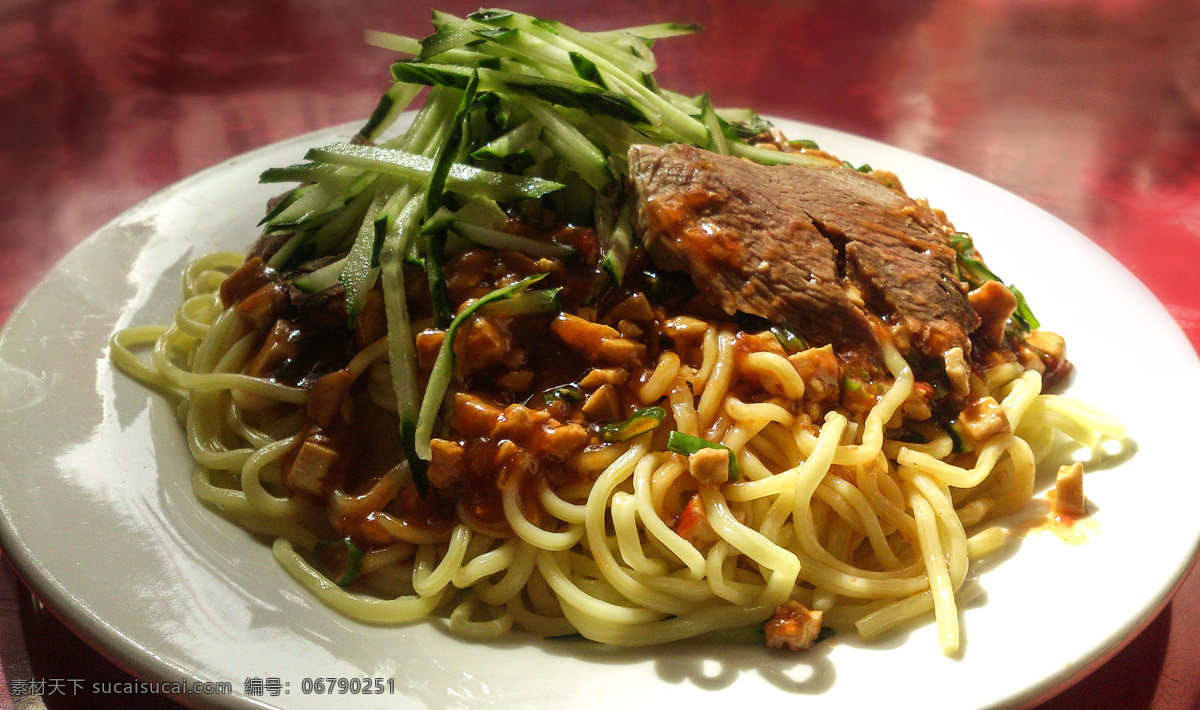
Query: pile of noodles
column 871, row 531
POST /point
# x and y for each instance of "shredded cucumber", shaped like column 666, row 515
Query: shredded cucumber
column 461, row 178
column 523, row 115
column 443, row 366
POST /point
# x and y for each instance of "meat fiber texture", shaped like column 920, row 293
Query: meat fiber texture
column 814, row 249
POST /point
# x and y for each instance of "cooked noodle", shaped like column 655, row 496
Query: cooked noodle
column 864, row 529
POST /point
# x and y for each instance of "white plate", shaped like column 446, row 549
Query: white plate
column 99, row 517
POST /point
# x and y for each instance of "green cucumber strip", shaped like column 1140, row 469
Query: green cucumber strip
column 616, row 238
column 686, row 444
column 455, row 244
column 1024, row 314
column 586, row 69
column 489, row 15
column 582, row 96
column 321, row 279
column 531, row 55
column 972, row 270
column 328, row 237
column 432, row 245
column 777, row 157
column 435, row 229
column 515, row 140
column 596, row 44
column 402, row 354
column 443, row 366
column 461, row 178
column 642, row 421
column 284, row 253
column 575, row 203
column 287, row 200
column 744, row 122
column 302, row 172
column 717, row 142
column 658, row 31
column 481, row 212
column 358, row 276
column 519, row 53
column 394, row 42
column 438, row 222
column 394, row 101
column 618, row 70
column 451, row 33
column 448, row 150
column 417, row 466
column 435, row 255
column 504, row 241
column 529, row 303
column 426, row 131
column 572, row 146
column 335, row 190
column 667, row 121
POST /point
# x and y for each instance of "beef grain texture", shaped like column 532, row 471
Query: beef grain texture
column 799, row 245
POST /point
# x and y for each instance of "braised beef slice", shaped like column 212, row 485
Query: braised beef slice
column 784, row 243
column 744, row 241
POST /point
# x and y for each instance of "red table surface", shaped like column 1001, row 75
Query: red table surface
column 1089, row 109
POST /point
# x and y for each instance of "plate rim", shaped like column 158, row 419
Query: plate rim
column 114, row 644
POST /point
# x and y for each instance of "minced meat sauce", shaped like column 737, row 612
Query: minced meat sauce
column 530, row 393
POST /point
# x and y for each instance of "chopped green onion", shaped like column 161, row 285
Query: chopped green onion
column 566, row 393
column 641, row 422
column 339, row 560
column 791, row 342
column 687, row 445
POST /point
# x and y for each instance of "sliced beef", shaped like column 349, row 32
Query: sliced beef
column 748, row 247
column 801, row 246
